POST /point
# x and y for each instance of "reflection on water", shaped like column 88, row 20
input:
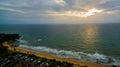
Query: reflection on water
column 89, row 35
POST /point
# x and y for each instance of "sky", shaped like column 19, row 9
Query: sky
column 59, row 11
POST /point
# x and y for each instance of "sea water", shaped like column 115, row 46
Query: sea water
column 98, row 43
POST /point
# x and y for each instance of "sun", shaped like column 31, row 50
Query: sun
column 91, row 12
column 88, row 13
column 75, row 13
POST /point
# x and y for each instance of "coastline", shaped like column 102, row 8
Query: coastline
column 49, row 56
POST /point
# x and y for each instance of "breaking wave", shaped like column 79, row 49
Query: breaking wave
column 22, row 41
column 96, row 57
column 39, row 40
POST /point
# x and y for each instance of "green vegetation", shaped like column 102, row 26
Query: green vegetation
column 9, row 38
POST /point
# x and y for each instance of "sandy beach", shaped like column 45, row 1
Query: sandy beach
column 49, row 56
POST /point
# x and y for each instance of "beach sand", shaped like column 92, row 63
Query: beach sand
column 49, row 56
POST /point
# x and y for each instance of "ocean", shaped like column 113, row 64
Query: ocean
column 88, row 42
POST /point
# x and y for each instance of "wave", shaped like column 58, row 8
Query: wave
column 96, row 57
column 22, row 41
column 39, row 40
column 21, row 37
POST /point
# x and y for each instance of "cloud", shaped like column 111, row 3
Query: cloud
column 85, row 4
column 11, row 10
column 111, row 5
column 15, row 4
column 43, row 10
column 75, row 13
column 5, row 4
column 60, row 2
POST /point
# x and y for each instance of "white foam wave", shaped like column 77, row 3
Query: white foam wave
column 39, row 40
column 22, row 41
column 96, row 57
column 21, row 37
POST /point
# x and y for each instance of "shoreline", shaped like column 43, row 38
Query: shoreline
column 49, row 56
